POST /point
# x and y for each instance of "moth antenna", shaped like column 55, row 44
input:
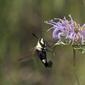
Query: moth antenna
column 35, row 36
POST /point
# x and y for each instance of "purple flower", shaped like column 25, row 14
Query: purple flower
column 68, row 29
column 77, row 34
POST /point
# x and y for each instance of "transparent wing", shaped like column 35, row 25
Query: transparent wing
column 26, row 56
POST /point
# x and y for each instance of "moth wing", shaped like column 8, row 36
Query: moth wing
column 26, row 56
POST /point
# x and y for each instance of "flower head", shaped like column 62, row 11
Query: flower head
column 67, row 29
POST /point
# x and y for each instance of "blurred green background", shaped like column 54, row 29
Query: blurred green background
column 18, row 20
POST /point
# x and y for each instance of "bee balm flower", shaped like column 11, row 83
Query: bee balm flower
column 67, row 29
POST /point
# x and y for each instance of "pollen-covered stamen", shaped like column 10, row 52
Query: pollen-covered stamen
column 76, row 27
column 77, row 37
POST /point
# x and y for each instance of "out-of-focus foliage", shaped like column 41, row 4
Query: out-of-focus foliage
column 18, row 20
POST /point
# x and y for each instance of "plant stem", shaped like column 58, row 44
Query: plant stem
column 74, row 57
column 74, row 65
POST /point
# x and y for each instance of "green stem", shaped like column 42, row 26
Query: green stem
column 74, row 64
column 74, row 57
